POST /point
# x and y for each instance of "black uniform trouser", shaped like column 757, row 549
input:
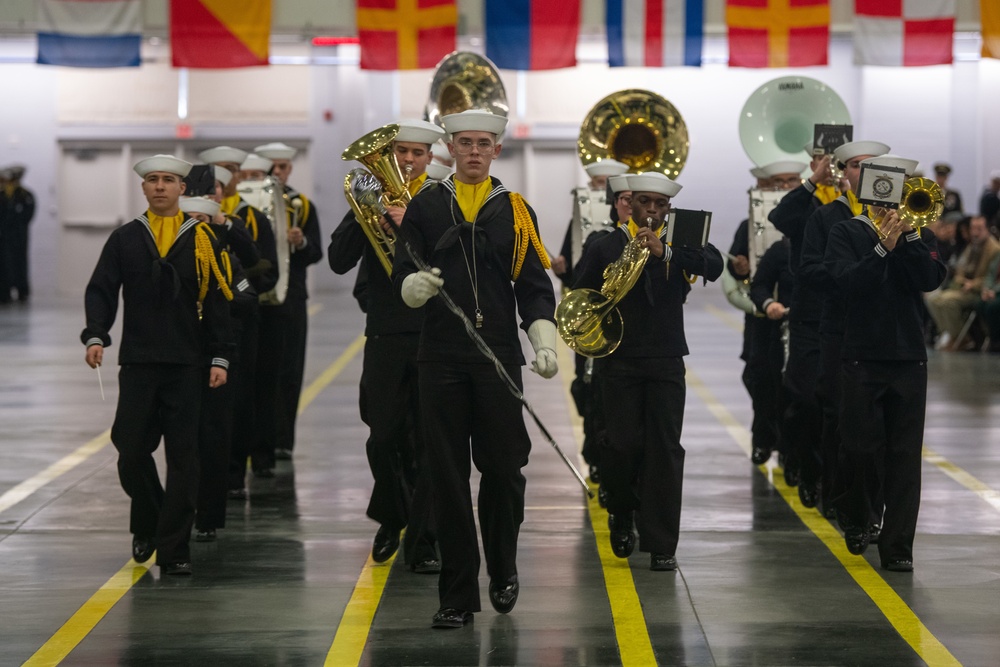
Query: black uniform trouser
column 803, row 418
column 882, row 423
column 582, row 391
column 244, row 432
column 157, row 400
column 296, row 329
column 460, row 402
column 14, row 261
column 642, row 465
column 401, row 496
column 215, row 433
column 829, row 394
column 762, row 376
column 270, row 357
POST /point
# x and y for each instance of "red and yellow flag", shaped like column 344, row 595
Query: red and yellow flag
column 778, row 33
column 989, row 15
column 405, row 34
column 220, row 33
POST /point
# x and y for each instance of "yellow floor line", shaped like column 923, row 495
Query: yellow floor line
column 356, row 623
column 896, row 611
column 332, row 371
column 86, row 618
column 18, row 493
column 631, row 632
column 988, row 494
column 985, row 492
column 90, row 614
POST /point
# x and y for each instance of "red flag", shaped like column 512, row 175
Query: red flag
column 903, row 32
column 778, row 33
column 405, row 34
column 220, row 33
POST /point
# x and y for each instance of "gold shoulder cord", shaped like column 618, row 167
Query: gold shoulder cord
column 206, row 265
column 524, row 234
column 251, row 223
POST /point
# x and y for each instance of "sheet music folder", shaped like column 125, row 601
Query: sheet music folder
column 687, row 228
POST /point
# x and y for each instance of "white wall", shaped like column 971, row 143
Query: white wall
column 937, row 113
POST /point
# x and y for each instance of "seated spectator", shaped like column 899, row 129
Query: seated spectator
column 989, row 203
column 950, row 306
column 989, row 307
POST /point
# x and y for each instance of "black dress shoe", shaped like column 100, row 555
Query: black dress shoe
column 874, row 532
column 808, row 495
column 207, row 535
column 428, row 566
column 602, row 497
column 263, row 473
column 899, row 565
column 177, row 569
column 856, row 539
column 595, row 475
column 450, row 618
column 760, row 455
column 237, row 494
column 142, row 549
column 662, row 563
column 792, row 476
column 385, row 544
column 622, row 537
column 283, row 454
column 503, row 596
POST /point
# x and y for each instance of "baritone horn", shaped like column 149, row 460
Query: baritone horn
column 371, row 191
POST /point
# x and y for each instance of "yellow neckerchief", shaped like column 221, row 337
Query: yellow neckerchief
column 857, row 208
column 165, row 230
column 633, row 228
column 472, row 197
column 10, row 189
column 826, row 193
column 415, row 185
column 228, row 204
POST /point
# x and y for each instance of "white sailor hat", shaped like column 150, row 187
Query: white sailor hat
column 254, row 162
column 199, row 205
column 783, row 167
column 167, row 163
column 606, row 168
column 418, row 131
column 758, row 172
column 853, row 149
column 437, row 171
column 276, row 151
column 653, row 181
column 222, row 175
column 907, row 165
column 474, row 120
column 618, row 183
column 223, row 154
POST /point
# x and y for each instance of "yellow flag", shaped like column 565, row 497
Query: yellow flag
column 989, row 12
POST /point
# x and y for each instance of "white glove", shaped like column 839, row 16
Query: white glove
column 420, row 286
column 542, row 335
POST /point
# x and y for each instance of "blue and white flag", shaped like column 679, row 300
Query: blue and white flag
column 89, row 33
column 655, row 33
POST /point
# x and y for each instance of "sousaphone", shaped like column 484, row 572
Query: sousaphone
column 464, row 81
column 777, row 121
column 637, row 127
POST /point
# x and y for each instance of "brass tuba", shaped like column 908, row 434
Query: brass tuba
column 589, row 321
column 464, row 81
column 637, row 127
column 371, row 192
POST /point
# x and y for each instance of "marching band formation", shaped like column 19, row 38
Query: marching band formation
column 451, row 265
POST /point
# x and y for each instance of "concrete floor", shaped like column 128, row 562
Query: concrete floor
column 762, row 581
